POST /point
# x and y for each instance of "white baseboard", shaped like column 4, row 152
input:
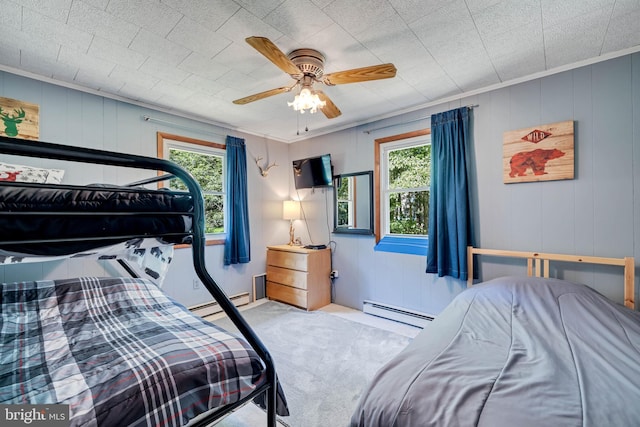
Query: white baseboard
column 398, row 314
column 212, row 307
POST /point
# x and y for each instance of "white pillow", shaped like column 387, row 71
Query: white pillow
column 20, row 173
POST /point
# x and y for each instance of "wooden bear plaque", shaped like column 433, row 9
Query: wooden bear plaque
column 540, row 153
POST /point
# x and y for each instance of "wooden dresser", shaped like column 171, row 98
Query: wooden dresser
column 299, row 276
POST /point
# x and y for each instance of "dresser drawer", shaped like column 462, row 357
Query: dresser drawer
column 295, row 278
column 295, row 261
column 287, row 294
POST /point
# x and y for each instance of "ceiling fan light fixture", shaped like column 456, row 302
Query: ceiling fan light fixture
column 306, row 100
column 306, row 67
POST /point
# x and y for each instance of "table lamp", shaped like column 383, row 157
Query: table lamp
column 291, row 211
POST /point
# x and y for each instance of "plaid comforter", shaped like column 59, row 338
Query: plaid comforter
column 119, row 352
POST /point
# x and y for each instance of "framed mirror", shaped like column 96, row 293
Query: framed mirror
column 353, row 203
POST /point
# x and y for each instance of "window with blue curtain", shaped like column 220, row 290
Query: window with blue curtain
column 237, row 246
column 450, row 225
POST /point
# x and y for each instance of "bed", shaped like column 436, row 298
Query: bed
column 517, row 351
column 117, row 351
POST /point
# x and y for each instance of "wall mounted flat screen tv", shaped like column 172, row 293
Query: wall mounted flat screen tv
column 313, row 172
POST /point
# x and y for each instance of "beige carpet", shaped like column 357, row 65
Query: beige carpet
column 249, row 415
column 324, row 361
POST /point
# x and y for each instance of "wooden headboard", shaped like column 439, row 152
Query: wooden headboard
column 538, row 265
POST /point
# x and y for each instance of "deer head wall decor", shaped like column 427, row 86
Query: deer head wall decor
column 264, row 172
column 11, row 122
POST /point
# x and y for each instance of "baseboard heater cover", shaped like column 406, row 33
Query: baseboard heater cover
column 212, row 307
column 399, row 314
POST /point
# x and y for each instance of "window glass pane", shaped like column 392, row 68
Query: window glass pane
column 408, row 212
column 343, row 188
column 213, row 213
column 410, row 167
column 205, row 161
column 205, row 168
column 344, row 218
column 344, row 202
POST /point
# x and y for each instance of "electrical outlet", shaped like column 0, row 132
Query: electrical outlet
column 196, row 284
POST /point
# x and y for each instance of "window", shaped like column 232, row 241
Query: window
column 403, row 163
column 206, row 162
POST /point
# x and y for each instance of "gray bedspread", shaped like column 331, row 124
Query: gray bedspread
column 515, row 352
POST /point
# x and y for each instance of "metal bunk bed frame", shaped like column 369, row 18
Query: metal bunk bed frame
column 88, row 155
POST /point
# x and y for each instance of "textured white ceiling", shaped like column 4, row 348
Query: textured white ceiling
column 190, row 57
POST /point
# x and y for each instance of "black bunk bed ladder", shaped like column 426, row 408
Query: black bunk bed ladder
column 48, row 150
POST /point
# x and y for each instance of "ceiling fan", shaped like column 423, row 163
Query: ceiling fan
column 306, row 67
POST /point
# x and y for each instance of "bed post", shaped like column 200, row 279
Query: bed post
column 470, row 266
column 629, row 282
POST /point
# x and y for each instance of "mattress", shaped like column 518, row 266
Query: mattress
column 119, row 352
column 88, row 217
column 514, row 352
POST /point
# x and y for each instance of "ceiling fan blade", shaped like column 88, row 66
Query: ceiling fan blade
column 374, row 72
column 262, row 95
column 330, row 110
column 273, row 54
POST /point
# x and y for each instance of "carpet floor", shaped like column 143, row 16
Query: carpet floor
column 323, row 362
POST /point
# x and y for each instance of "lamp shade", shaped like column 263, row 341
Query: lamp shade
column 290, row 209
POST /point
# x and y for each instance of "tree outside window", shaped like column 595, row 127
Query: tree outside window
column 206, row 162
column 407, row 189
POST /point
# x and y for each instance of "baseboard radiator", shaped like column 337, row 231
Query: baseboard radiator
column 212, row 307
column 399, row 314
